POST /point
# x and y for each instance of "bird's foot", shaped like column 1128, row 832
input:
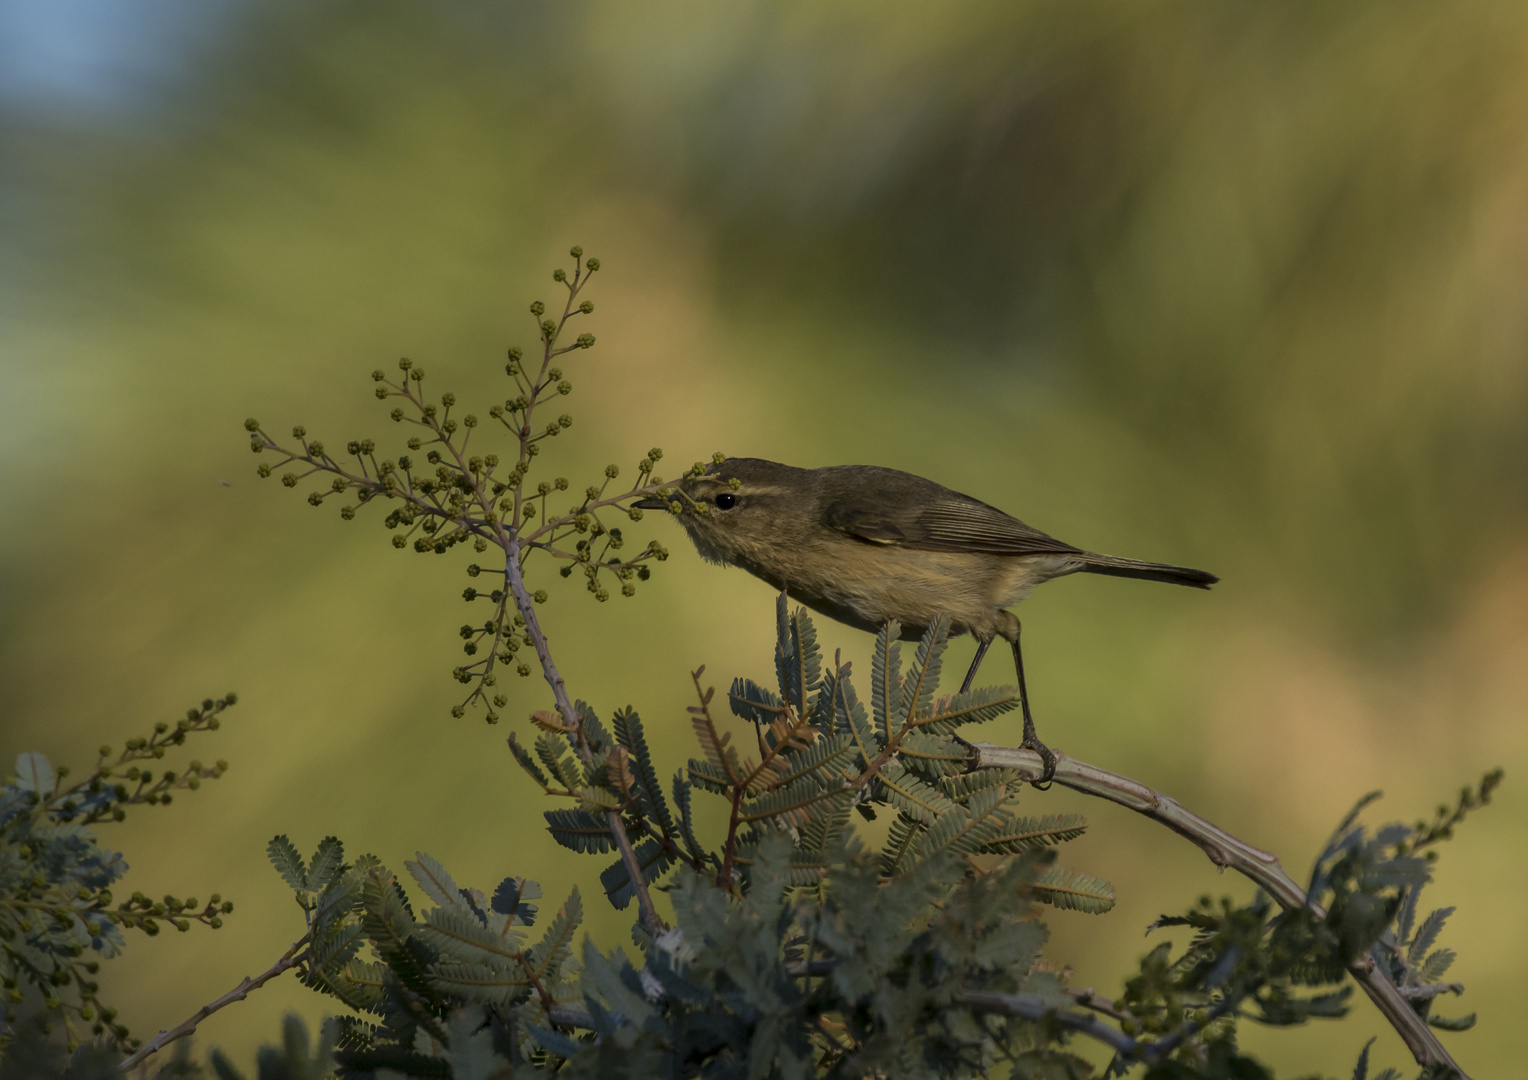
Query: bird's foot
column 1047, row 758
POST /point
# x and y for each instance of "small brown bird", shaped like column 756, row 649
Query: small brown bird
column 867, row 546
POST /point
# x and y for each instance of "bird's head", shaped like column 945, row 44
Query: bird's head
column 738, row 506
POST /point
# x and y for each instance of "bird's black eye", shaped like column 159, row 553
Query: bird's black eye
column 726, row 501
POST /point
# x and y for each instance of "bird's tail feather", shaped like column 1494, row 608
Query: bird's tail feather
column 1148, row 571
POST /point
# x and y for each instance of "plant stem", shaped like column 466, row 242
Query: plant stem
column 554, row 679
column 291, row 958
column 1224, row 851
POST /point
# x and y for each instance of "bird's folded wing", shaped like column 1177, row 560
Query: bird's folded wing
column 945, row 525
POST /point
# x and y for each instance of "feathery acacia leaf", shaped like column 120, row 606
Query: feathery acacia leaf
column 900, row 844
column 912, row 796
column 686, row 818
column 754, row 703
column 798, row 803
column 923, row 675
column 964, row 828
column 1031, row 834
column 459, row 936
column 512, row 898
column 553, row 752
column 283, row 855
column 1073, row 891
column 715, row 743
column 798, row 661
column 326, row 863
column 580, row 830
column 526, row 762
column 962, row 786
column 547, row 956
column 435, row 881
column 886, row 680
column 932, row 756
column 829, row 755
column 652, row 859
column 629, row 733
column 976, row 706
column 1427, row 933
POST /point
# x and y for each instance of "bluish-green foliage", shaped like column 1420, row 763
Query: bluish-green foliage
column 797, row 950
column 58, row 917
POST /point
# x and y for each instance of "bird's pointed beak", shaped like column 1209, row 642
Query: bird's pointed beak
column 651, row 503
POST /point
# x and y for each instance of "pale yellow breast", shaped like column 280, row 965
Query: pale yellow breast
column 884, row 582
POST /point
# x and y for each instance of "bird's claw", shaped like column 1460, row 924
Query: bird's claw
column 1047, row 758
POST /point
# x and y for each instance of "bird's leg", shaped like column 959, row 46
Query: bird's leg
column 981, row 651
column 1031, row 737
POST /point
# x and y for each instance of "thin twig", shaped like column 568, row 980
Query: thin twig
column 554, row 679
column 1035, row 1007
column 1089, row 999
column 290, row 959
column 1225, row 850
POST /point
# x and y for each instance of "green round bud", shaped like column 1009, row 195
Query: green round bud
column 548, row 327
column 576, row 251
column 316, row 448
column 561, row 483
column 523, row 670
column 592, row 264
column 559, row 275
column 263, row 471
column 540, row 596
column 586, row 307
column 251, row 424
column 458, row 712
column 612, row 471
column 635, row 513
column 299, row 432
column 538, row 308
column 655, row 454
column 585, row 341
column 400, row 542
column 515, row 352
column 382, row 392
column 565, row 388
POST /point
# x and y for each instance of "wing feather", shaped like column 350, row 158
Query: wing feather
column 954, row 523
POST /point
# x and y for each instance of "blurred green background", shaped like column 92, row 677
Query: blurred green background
column 1233, row 286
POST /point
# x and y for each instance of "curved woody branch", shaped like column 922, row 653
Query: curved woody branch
column 1225, row 850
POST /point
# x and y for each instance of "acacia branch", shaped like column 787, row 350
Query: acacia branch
column 1225, row 850
column 290, row 959
column 554, row 679
column 1034, row 1007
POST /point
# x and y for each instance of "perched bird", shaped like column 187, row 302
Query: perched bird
column 867, row 546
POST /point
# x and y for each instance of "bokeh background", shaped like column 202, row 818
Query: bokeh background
column 1236, row 286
